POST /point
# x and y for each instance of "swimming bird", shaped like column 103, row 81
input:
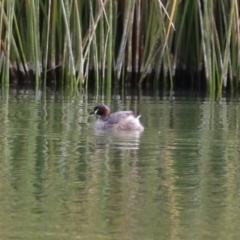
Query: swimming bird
column 121, row 120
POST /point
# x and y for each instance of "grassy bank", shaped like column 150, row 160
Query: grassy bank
column 120, row 41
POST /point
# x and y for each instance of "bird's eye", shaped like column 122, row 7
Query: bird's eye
column 96, row 111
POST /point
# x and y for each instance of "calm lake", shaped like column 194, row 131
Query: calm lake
column 60, row 179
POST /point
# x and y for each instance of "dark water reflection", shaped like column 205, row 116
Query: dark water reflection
column 60, row 179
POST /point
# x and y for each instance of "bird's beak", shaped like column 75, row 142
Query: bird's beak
column 94, row 112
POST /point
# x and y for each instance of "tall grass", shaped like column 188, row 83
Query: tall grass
column 67, row 40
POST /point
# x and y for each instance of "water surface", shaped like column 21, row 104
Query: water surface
column 60, row 179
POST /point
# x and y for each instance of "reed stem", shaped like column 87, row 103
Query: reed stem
column 69, row 39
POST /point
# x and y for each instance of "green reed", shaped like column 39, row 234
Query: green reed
column 111, row 39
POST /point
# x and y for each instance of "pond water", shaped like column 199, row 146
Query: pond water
column 60, row 179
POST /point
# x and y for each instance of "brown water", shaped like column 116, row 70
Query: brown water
column 60, row 179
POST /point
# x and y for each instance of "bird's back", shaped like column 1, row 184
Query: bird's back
column 116, row 117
